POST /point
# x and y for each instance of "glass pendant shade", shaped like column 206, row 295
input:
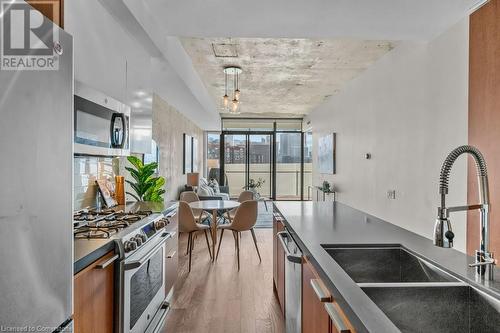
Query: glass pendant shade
column 235, row 105
column 226, row 100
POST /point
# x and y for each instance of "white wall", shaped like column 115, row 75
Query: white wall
column 408, row 110
column 109, row 58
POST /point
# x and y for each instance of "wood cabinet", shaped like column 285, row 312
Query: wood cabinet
column 315, row 319
column 279, row 261
column 52, row 9
column 319, row 307
column 94, row 297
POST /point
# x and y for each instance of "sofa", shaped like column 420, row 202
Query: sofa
column 206, row 192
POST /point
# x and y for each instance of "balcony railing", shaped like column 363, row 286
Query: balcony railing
column 288, row 184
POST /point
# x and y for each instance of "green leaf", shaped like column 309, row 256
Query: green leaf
column 146, row 186
column 135, row 162
column 135, row 197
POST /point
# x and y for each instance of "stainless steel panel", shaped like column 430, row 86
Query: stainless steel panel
column 293, row 285
column 36, row 145
column 92, row 127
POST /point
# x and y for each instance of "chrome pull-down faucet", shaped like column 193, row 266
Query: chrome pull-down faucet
column 443, row 234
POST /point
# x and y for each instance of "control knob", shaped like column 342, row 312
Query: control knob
column 138, row 240
column 160, row 224
column 130, row 245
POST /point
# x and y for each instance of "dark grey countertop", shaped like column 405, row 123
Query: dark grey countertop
column 315, row 223
column 86, row 251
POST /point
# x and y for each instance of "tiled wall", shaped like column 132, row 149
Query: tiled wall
column 86, row 171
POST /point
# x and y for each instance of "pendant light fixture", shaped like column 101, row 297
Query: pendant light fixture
column 235, row 102
column 225, row 98
column 237, row 91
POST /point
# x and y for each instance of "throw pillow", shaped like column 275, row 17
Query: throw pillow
column 214, row 185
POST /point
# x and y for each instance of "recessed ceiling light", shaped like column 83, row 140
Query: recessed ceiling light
column 140, row 93
column 136, row 104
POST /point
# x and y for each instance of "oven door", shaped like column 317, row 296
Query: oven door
column 143, row 287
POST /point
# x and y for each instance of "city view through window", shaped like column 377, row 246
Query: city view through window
column 260, row 157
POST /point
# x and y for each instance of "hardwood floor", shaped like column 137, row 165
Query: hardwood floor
column 215, row 297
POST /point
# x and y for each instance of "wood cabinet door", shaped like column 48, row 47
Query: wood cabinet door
column 52, row 9
column 315, row 319
column 94, row 297
column 280, row 270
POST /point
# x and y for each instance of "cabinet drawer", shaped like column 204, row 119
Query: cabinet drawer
column 94, row 296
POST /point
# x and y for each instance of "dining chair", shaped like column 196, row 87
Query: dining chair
column 187, row 223
column 244, row 196
column 199, row 214
column 244, row 220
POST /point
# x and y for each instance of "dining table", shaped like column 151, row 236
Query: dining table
column 214, row 207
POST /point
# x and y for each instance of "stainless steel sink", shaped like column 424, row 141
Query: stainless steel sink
column 437, row 308
column 386, row 264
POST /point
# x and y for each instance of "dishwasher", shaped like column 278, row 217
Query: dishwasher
column 293, row 283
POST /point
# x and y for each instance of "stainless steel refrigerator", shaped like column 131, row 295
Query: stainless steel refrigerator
column 36, row 151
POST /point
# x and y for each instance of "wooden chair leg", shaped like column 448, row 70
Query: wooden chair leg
column 238, row 249
column 255, row 242
column 208, row 244
column 189, row 243
column 220, row 241
column 234, row 236
column 190, row 250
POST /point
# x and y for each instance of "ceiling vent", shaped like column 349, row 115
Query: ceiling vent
column 225, row 50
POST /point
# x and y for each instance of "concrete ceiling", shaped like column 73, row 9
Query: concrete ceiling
column 282, row 76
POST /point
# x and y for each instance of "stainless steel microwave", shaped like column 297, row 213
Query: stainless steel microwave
column 101, row 123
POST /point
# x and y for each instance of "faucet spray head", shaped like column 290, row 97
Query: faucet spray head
column 443, row 235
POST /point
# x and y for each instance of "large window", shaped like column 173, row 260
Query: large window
column 274, row 151
column 307, row 174
column 213, row 155
column 288, row 166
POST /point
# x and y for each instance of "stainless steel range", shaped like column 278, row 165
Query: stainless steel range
column 142, row 250
column 141, row 242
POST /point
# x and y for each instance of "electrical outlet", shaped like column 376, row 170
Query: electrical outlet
column 391, row 194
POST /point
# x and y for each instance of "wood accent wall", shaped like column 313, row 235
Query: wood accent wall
column 484, row 116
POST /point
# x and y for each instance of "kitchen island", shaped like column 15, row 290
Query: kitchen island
column 318, row 226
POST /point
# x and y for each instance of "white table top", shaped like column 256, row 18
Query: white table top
column 214, row 204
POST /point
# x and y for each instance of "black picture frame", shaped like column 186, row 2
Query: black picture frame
column 187, row 155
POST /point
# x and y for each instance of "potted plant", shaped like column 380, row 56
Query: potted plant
column 254, row 185
column 146, row 186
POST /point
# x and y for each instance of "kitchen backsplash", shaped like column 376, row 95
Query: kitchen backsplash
column 87, row 169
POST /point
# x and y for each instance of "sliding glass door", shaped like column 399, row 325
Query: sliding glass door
column 247, row 159
column 235, row 162
column 288, row 165
column 259, row 162
column 277, row 158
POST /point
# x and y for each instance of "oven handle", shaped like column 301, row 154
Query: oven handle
column 138, row 263
column 291, row 257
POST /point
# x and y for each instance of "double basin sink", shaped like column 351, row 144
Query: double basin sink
column 414, row 294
